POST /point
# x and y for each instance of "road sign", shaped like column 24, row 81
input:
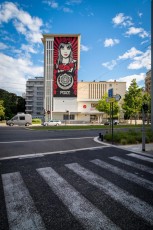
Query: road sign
column 110, row 92
column 117, row 97
column 110, row 99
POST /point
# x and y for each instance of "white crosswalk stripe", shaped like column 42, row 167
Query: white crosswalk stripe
column 21, row 210
column 81, row 208
column 23, row 214
column 134, row 204
column 133, row 164
column 129, row 176
column 141, row 157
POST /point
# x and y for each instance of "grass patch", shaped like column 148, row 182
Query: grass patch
column 83, row 127
column 131, row 136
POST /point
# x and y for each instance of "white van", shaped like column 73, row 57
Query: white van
column 20, row 119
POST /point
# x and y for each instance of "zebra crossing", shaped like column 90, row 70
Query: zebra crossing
column 115, row 192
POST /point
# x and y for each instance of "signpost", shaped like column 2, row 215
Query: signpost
column 111, row 99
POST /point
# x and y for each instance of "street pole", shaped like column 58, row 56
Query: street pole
column 143, row 130
column 112, row 125
column 152, row 65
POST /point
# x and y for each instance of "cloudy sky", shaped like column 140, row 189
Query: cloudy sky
column 115, row 38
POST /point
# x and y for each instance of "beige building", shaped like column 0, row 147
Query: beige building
column 82, row 109
column 148, row 82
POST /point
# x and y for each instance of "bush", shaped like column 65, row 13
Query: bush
column 36, row 121
column 129, row 137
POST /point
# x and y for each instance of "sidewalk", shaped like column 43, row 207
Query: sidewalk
column 138, row 148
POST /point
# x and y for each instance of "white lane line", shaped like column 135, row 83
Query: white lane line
column 140, row 157
column 43, row 140
column 126, row 175
column 134, row 204
column 34, row 155
column 79, row 206
column 21, row 211
column 133, row 164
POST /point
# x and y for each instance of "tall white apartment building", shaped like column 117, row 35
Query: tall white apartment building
column 34, row 97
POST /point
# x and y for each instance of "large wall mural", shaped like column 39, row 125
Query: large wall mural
column 65, row 66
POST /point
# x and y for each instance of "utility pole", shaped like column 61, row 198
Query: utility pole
column 152, row 65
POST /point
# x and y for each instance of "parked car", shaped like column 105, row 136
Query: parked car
column 115, row 122
column 52, row 123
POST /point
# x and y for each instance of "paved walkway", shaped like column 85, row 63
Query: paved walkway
column 138, row 148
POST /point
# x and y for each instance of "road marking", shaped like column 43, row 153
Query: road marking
column 126, row 175
column 58, row 139
column 33, row 155
column 21, row 210
column 134, row 204
column 140, row 157
column 132, row 164
column 79, row 206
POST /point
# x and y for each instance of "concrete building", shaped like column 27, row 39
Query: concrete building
column 64, row 97
column 84, row 108
column 148, row 82
column 35, row 97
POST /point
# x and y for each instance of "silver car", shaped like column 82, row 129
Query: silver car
column 52, row 123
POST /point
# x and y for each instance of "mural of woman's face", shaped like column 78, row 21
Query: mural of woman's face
column 65, row 50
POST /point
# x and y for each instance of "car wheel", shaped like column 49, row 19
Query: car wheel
column 46, row 124
column 27, row 124
column 57, row 124
column 11, row 124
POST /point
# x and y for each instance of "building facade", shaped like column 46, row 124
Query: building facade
column 67, row 109
column 35, row 97
column 64, row 97
column 148, row 82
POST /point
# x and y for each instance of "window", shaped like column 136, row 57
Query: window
column 22, row 118
column 67, row 117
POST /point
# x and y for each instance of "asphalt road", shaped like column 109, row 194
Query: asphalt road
column 96, row 187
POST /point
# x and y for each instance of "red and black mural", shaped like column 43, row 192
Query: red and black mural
column 65, row 66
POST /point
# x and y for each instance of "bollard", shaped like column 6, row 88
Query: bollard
column 102, row 137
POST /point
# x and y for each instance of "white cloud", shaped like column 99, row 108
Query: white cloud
column 3, row 46
column 142, row 61
column 22, row 21
column 130, row 53
column 140, row 14
column 139, row 77
column 28, row 48
column 72, row 2
column 111, row 42
column 137, row 31
column 121, row 20
column 84, row 48
column 52, row 4
column 110, row 65
column 67, row 10
column 15, row 72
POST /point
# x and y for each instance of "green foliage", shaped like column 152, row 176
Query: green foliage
column 2, row 110
column 129, row 137
column 104, row 106
column 11, row 103
column 36, row 121
column 133, row 100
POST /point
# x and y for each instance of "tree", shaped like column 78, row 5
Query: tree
column 132, row 101
column 12, row 103
column 2, row 110
column 104, row 106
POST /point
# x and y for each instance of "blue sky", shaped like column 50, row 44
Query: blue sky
column 115, row 38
